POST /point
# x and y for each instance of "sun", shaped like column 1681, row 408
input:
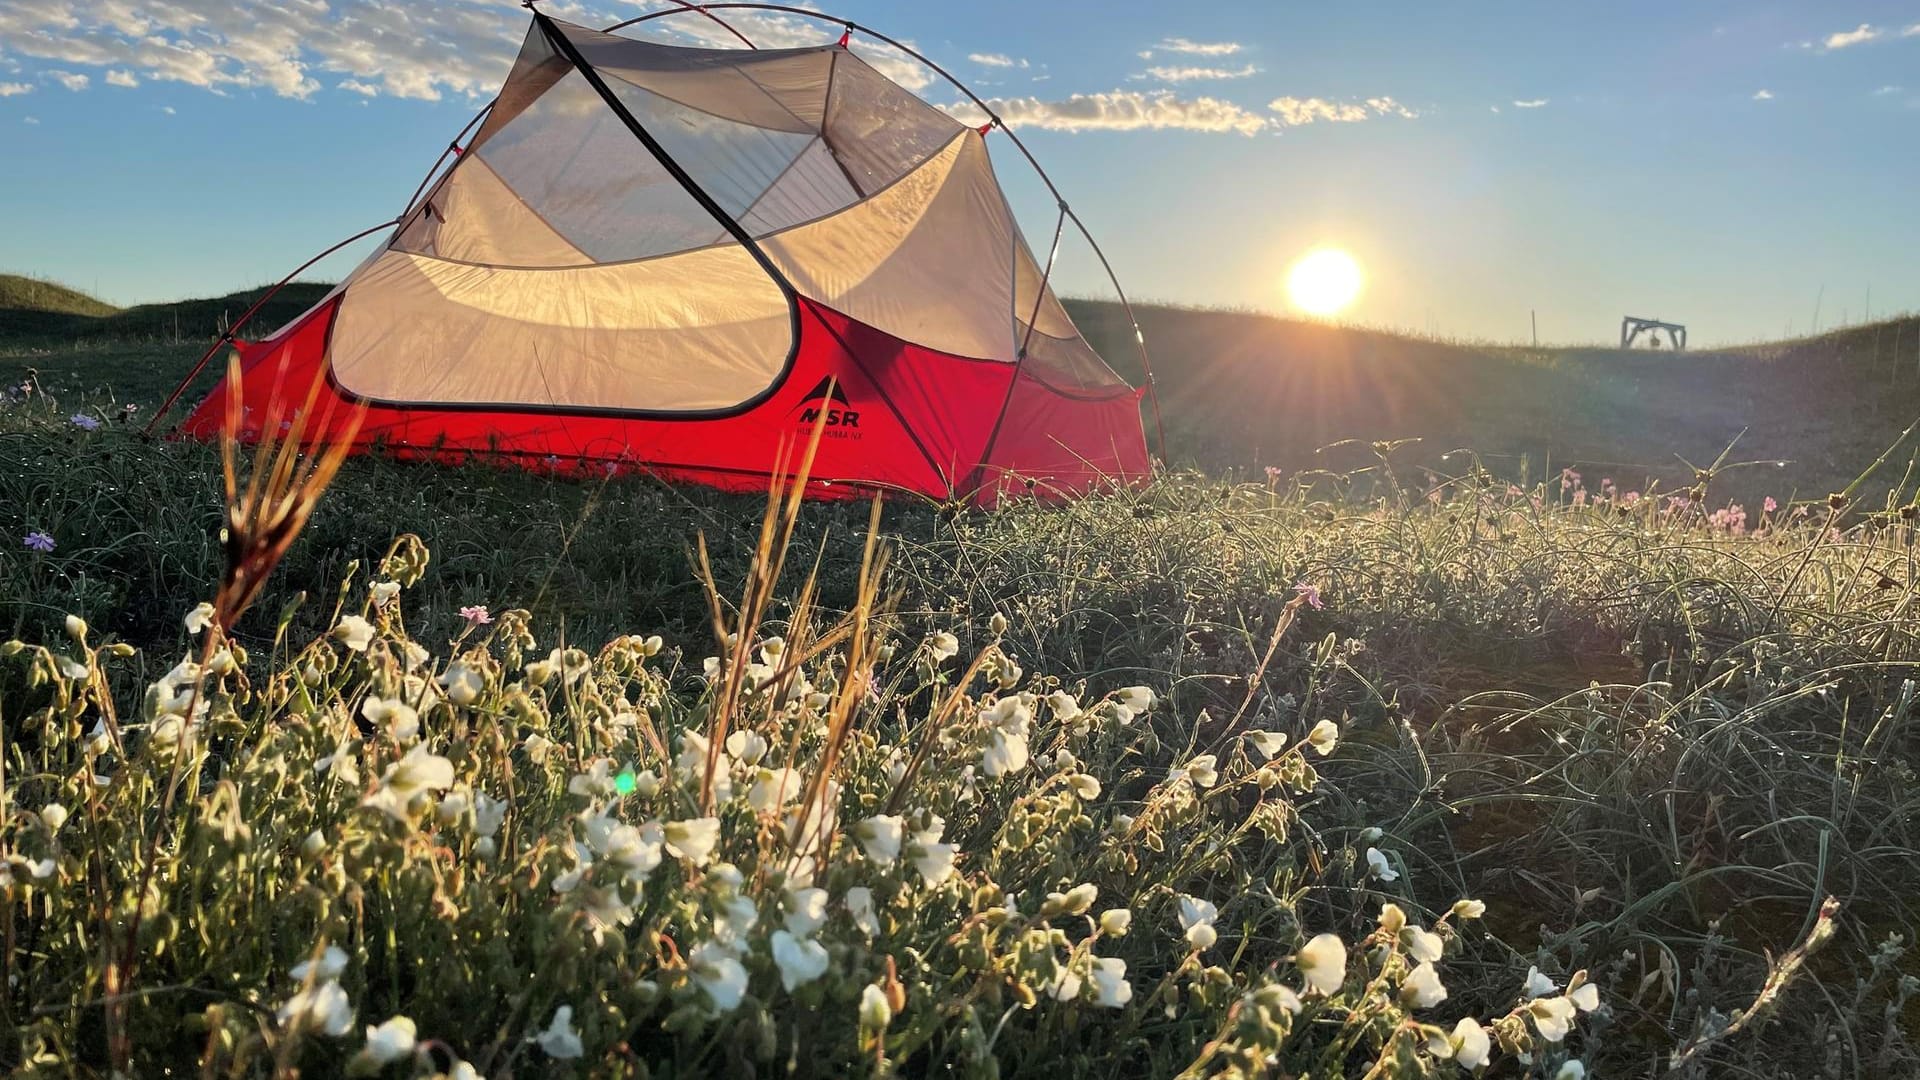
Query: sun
column 1324, row 282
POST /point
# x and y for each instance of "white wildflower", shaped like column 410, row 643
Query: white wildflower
column 747, row 746
column 1323, row 963
column 773, row 788
column 1324, row 736
column 860, row 906
column 1085, row 786
column 943, row 647
column 880, row 837
column 383, row 593
column 799, row 959
column 53, row 815
column 1380, row 867
column 463, row 684
column 596, row 783
column 392, row 715
column 1201, row 770
column 391, row 1041
column 1469, row 909
column 1537, row 984
column 199, row 618
column 1586, row 997
column 1137, row 699
column 1115, row 922
column 560, row 1040
column 1267, row 743
column 693, row 839
column 1552, row 1016
column 1110, row 986
column 715, row 970
column 875, row 1013
column 1423, row 945
column 1470, row 1046
column 806, row 910
column 1064, row 706
column 1572, row 1069
column 354, row 632
column 331, row 963
column 1196, row 921
column 933, row 859
column 415, row 774
column 324, row 1008
column 1422, row 988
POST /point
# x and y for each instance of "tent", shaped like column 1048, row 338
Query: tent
column 676, row 260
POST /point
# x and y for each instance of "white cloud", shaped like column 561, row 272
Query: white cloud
column 1885, row 91
column 1532, row 103
column 1911, row 31
column 1494, row 108
column 1859, row 35
column 1298, row 112
column 1763, row 95
column 1197, row 48
column 168, row 109
column 122, row 78
column 9, row 89
column 30, row 120
column 1121, row 110
column 71, row 80
column 998, row 60
column 1190, row 74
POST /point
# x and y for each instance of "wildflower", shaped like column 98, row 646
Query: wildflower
column 1323, row 963
column 340, row 764
column 1422, row 988
column 1006, row 752
column 324, row 1007
column 1378, row 866
column 693, row 839
column 419, row 772
column 199, row 618
column 860, row 906
column 747, row 746
column 1110, row 986
column 943, row 647
column 476, row 614
column 1469, row 909
column 53, row 815
column 1075, row 901
column 1196, row 921
column 1086, row 787
column 462, row 683
column 39, row 541
column 1469, row 1045
column 799, row 959
column 1064, row 706
column 488, row 813
column 383, row 593
column 354, row 632
column 596, row 783
column 1310, row 593
column 1552, row 1016
column 1324, row 735
column 84, row 422
column 875, row 1012
column 1267, row 743
column 1572, row 1069
column 560, row 1040
column 396, row 716
column 928, row 855
column 880, row 837
column 390, row 1042
column 1139, row 699
column 1115, row 922
column 773, row 788
column 717, row 971
column 1537, row 984
column 1585, row 996
column 1201, row 771
column 637, row 848
column 1423, row 945
column 332, row 962
column 806, row 911
column 1769, row 506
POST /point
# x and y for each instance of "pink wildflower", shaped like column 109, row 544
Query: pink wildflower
column 1311, row 593
column 476, row 615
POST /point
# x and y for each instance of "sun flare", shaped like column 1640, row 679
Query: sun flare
column 1324, row 282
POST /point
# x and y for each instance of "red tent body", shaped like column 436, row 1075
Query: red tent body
column 593, row 288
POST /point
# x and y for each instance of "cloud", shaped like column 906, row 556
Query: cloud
column 1763, row 95
column 1196, row 48
column 1885, row 91
column 1911, row 31
column 34, row 120
column 1190, row 74
column 1532, row 103
column 998, row 60
column 122, row 78
column 1299, row 112
column 1859, row 35
column 168, row 109
column 9, row 89
column 71, row 80
column 1121, row 110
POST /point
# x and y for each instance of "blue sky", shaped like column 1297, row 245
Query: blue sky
column 1717, row 163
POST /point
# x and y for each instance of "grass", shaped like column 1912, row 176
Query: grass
column 1651, row 747
column 1669, row 749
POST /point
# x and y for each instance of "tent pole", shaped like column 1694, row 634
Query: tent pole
column 227, row 337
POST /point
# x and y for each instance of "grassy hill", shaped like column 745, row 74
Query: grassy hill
column 1243, row 391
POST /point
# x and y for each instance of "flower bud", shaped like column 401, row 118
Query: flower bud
column 77, row 628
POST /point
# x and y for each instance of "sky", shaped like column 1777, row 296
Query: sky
column 1741, row 167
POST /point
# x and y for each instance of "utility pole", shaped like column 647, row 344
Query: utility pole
column 1534, row 318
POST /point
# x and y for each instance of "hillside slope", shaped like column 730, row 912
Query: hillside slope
column 1243, row 391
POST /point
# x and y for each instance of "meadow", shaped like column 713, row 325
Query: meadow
column 1381, row 763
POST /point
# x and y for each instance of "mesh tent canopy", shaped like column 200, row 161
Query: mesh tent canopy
column 678, row 259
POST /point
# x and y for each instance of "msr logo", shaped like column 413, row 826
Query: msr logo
column 829, row 398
